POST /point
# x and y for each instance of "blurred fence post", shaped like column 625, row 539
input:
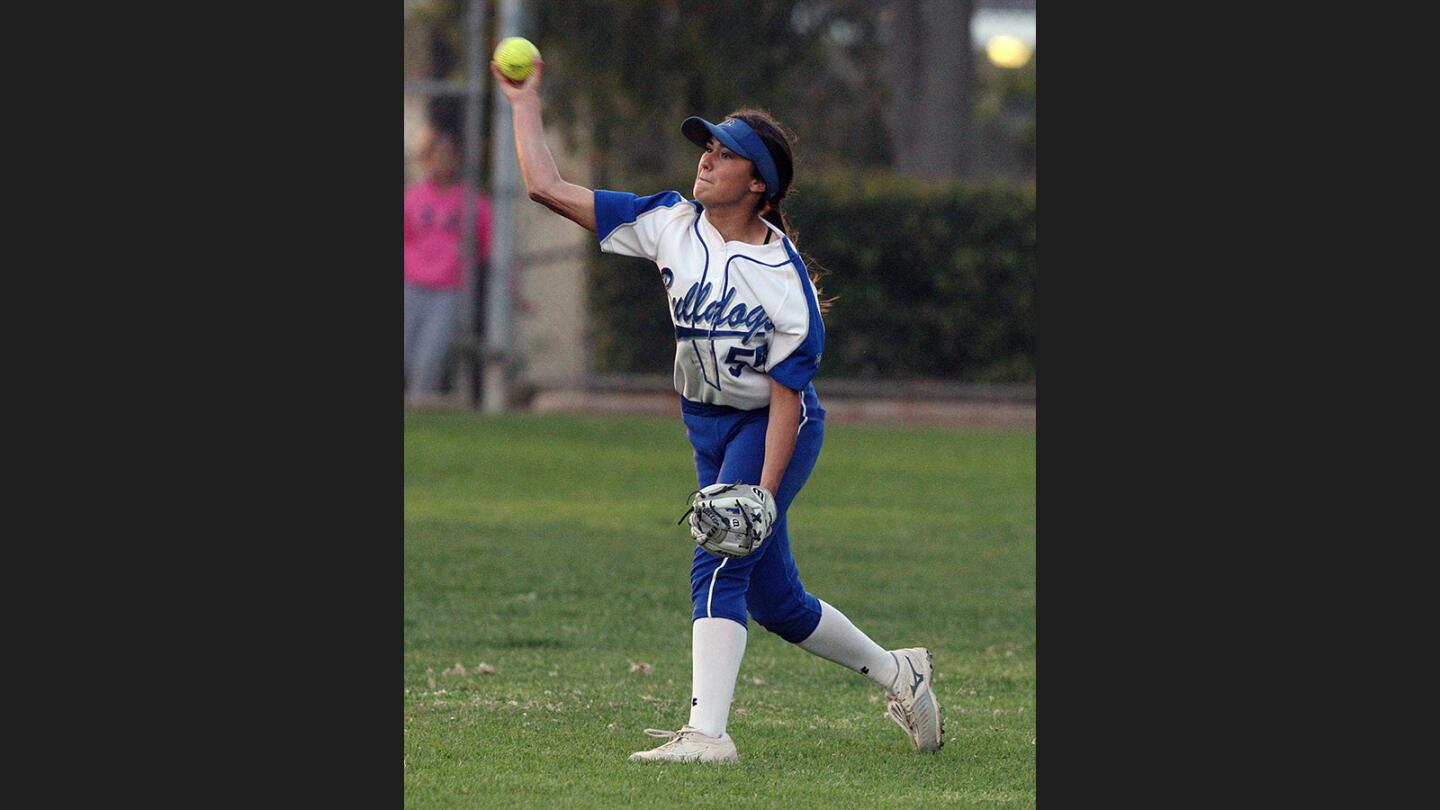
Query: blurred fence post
column 477, row 66
column 505, row 193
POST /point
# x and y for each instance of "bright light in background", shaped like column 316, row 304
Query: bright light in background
column 1007, row 52
column 1007, row 35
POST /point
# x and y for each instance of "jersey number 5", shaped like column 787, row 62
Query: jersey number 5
column 757, row 357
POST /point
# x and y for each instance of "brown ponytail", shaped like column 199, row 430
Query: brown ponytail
column 777, row 139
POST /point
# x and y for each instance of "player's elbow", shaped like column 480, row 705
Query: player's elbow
column 549, row 200
column 546, row 193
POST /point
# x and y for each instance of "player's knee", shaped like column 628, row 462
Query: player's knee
column 733, row 611
column 720, row 603
column 793, row 622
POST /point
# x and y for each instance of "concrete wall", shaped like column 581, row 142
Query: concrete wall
column 551, row 316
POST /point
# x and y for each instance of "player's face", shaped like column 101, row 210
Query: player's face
column 444, row 160
column 723, row 177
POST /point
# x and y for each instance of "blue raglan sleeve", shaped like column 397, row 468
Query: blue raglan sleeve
column 631, row 226
column 799, row 333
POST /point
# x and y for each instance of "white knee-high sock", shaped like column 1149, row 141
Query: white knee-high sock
column 837, row 639
column 716, row 648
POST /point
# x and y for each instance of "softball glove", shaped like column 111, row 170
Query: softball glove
column 731, row 520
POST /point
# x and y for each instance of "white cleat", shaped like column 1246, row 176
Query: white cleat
column 912, row 700
column 689, row 744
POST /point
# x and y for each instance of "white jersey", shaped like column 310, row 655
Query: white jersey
column 743, row 313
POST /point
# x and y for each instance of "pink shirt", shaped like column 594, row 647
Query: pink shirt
column 432, row 234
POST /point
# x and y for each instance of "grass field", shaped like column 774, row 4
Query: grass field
column 545, row 548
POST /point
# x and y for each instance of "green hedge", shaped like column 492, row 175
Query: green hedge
column 930, row 281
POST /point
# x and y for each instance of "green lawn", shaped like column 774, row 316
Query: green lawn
column 545, row 547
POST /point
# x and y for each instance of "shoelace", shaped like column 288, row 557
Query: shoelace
column 672, row 736
column 897, row 713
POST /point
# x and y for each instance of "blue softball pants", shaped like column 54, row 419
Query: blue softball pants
column 730, row 447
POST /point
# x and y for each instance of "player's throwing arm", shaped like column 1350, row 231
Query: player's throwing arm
column 537, row 165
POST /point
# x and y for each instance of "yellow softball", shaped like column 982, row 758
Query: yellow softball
column 516, row 57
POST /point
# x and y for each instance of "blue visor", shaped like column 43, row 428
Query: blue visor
column 738, row 137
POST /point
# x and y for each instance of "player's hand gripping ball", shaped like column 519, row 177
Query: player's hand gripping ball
column 731, row 520
column 516, row 57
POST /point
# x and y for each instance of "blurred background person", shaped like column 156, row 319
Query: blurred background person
column 434, row 277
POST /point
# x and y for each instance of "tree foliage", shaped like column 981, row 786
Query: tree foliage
column 633, row 69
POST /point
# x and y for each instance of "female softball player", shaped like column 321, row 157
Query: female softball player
column 748, row 339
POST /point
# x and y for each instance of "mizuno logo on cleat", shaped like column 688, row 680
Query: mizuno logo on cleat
column 918, row 676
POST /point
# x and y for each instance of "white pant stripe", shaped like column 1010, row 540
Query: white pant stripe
column 711, row 597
